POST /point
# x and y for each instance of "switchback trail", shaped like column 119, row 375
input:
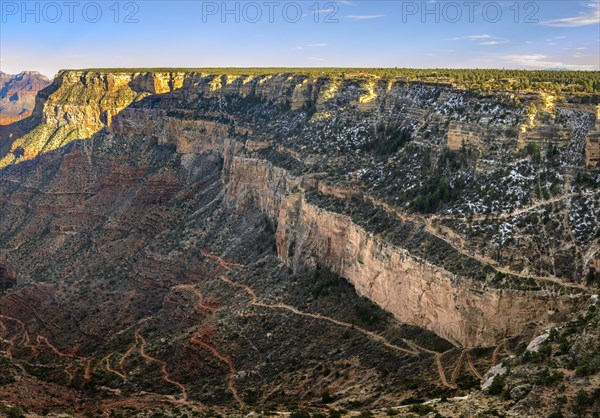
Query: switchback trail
column 459, row 363
column 163, row 365
column 503, row 344
column 201, row 301
column 196, row 339
column 415, row 351
column 472, row 366
column 415, row 348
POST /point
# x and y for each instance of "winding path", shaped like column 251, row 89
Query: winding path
column 196, row 339
column 427, row 221
column 163, row 366
column 415, row 351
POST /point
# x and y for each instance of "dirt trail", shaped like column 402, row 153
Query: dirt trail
column 296, row 311
column 472, row 366
column 201, row 301
column 41, row 338
column 5, row 330
column 442, row 374
column 163, row 366
column 196, row 339
column 70, row 373
column 87, row 373
column 140, row 343
column 124, row 357
column 70, row 369
column 415, row 351
column 106, row 361
column 456, row 371
column 457, row 242
column 503, row 345
column 495, row 354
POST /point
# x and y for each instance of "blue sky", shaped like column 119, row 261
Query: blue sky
column 51, row 35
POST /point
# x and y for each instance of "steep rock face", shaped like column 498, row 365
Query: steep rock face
column 79, row 104
column 412, row 289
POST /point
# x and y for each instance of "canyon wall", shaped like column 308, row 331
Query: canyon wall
column 197, row 115
column 412, row 289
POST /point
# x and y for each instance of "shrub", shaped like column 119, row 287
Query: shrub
column 497, row 384
column 422, row 409
column 547, row 378
column 15, row 412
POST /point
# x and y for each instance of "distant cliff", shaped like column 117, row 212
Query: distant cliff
column 17, row 94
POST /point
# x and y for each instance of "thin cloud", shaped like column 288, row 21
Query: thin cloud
column 585, row 19
column 493, row 42
column 484, row 39
column 471, row 38
column 362, row 17
column 541, row 61
column 319, row 11
column 319, row 45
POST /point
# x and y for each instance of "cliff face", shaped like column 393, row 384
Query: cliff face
column 248, row 122
column 78, row 105
column 414, row 290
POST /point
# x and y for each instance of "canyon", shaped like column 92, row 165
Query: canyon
column 194, row 222
column 17, row 94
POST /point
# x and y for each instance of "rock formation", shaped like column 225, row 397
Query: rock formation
column 140, row 193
